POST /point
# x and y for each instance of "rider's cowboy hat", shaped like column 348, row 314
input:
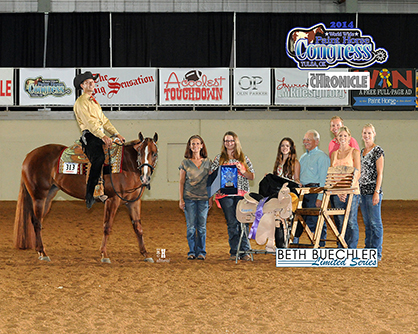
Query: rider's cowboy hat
column 79, row 79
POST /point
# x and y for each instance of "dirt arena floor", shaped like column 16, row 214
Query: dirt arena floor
column 76, row 293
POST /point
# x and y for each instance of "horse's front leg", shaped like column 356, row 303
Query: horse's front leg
column 111, row 206
column 135, row 214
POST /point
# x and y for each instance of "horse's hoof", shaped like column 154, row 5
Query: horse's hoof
column 106, row 260
column 44, row 258
column 149, row 259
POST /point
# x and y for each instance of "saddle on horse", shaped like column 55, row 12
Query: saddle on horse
column 74, row 161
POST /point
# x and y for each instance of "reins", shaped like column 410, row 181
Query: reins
column 129, row 191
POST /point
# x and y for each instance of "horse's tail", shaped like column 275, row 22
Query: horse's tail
column 24, row 233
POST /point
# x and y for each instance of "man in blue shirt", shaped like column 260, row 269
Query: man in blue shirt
column 314, row 165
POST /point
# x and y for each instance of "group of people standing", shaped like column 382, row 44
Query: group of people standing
column 309, row 171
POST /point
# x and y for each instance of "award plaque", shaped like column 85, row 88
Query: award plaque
column 229, row 179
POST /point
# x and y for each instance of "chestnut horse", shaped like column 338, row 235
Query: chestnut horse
column 40, row 182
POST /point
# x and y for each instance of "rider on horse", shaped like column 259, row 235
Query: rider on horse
column 92, row 123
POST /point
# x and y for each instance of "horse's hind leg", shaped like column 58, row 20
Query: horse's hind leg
column 41, row 208
column 135, row 214
column 38, row 215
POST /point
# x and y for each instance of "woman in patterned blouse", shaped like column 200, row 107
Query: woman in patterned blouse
column 372, row 162
column 231, row 154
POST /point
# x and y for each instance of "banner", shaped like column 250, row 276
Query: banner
column 46, row 86
column 326, row 257
column 204, row 86
column 390, row 89
column 252, row 86
column 320, row 47
column 6, row 86
column 116, row 86
column 292, row 89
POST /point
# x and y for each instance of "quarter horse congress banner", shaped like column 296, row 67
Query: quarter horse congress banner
column 47, row 86
column 204, row 86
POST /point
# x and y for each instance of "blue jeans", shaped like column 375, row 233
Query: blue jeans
column 196, row 213
column 372, row 222
column 352, row 233
column 229, row 207
column 309, row 201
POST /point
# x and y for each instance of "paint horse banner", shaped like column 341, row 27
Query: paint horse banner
column 390, row 89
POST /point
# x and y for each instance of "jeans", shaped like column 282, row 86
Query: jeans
column 309, row 201
column 196, row 213
column 372, row 222
column 229, row 207
column 352, row 233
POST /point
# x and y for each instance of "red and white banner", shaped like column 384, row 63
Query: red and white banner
column 291, row 88
column 46, row 86
column 6, row 86
column 201, row 86
column 116, row 86
column 252, row 86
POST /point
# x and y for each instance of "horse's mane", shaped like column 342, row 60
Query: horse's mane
column 132, row 142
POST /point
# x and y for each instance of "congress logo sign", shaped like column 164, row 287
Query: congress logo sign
column 319, row 47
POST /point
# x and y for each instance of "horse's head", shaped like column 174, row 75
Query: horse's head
column 147, row 157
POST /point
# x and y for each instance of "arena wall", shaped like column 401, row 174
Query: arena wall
column 259, row 133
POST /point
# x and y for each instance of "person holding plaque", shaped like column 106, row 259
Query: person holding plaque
column 194, row 170
column 235, row 170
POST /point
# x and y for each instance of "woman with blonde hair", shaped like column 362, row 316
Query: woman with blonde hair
column 372, row 163
column 346, row 155
column 232, row 154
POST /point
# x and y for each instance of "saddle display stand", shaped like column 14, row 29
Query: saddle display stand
column 339, row 181
column 265, row 214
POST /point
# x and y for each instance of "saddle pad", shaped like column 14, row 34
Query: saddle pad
column 74, row 161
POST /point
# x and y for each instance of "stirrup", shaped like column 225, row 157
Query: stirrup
column 101, row 198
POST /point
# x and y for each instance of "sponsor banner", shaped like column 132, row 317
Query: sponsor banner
column 326, row 257
column 201, row 86
column 320, row 47
column 252, row 86
column 6, row 86
column 46, row 86
column 339, row 80
column 291, row 88
column 116, row 86
column 390, row 89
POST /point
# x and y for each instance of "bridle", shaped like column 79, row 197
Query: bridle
column 140, row 167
